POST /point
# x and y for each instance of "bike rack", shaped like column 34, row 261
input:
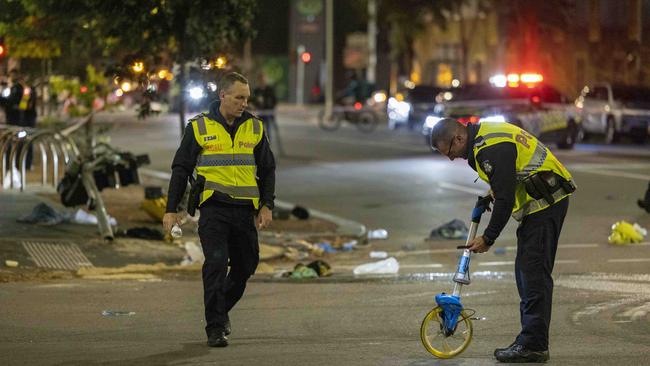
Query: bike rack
column 56, row 146
column 15, row 145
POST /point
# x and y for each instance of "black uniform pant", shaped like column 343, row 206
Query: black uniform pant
column 228, row 236
column 537, row 238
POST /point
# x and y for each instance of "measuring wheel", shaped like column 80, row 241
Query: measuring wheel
column 434, row 339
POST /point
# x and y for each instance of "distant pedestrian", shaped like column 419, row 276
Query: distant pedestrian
column 235, row 192
column 16, row 103
column 265, row 101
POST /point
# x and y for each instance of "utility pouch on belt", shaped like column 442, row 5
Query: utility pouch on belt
column 544, row 184
column 196, row 188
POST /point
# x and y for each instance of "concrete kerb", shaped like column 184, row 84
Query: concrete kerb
column 345, row 227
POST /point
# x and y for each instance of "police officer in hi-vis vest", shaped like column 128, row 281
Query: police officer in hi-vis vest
column 235, row 173
column 531, row 185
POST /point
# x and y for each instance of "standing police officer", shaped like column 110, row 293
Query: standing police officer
column 236, row 168
column 530, row 184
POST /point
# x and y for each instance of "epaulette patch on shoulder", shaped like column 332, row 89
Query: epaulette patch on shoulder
column 196, row 117
column 200, row 120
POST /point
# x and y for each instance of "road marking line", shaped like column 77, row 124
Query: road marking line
column 508, row 263
column 155, row 173
column 402, row 253
column 629, row 260
column 424, row 265
column 616, row 174
column 497, row 263
column 458, row 187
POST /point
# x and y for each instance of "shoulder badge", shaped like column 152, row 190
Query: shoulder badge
column 487, row 167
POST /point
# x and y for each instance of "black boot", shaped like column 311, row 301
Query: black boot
column 227, row 328
column 519, row 354
column 218, row 339
column 503, row 349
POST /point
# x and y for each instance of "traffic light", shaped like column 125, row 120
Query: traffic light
column 3, row 48
column 305, row 57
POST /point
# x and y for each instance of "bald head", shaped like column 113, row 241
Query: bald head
column 449, row 137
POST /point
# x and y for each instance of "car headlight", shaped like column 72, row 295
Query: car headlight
column 493, row 118
column 379, row 97
column 431, row 121
column 196, row 92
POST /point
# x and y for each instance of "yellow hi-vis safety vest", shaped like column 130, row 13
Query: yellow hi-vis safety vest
column 228, row 166
column 532, row 157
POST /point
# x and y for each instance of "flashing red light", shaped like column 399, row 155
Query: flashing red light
column 83, row 89
column 468, row 120
column 535, row 99
column 531, row 78
column 305, row 57
column 2, row 50
column 358, row 106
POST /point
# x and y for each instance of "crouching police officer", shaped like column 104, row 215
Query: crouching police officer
column 234, row 190
column 530, row 184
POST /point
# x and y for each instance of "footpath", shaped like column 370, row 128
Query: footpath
column 61, row 247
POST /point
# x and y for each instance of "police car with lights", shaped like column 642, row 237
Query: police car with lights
column 521, row 99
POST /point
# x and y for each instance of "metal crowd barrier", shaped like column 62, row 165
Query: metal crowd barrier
column 15, row 143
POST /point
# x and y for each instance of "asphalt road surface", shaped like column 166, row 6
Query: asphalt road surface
column 386, row 179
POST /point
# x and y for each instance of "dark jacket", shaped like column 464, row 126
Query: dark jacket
column 502, row 159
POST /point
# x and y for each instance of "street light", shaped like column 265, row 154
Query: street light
column 138, row 66
column 220, row 62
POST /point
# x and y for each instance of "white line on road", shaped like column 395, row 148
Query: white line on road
column 423, row 265
column 629, row 260
column 509, row 263
column 497, row 263
column 402, row 253
column 458, row 187
column 612, row 173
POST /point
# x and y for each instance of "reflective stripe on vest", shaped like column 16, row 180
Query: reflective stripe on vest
column 537, row 205
column 226, row 160
column 532, row 157
column 227, row 163
column 251, row 191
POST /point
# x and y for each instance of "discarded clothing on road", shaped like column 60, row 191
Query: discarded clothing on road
column 42, row 214
column 454, row 229
column 142, row 232
column 625, row 233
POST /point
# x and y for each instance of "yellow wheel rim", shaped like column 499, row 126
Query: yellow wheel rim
column 439, row 345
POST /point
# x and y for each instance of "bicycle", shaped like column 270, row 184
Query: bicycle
column 362, row 116
column 446, row 331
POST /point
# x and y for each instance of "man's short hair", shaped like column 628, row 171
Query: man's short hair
column 444, row 130
column 229, row 79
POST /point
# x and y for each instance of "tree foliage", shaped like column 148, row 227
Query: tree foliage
column 91, row 30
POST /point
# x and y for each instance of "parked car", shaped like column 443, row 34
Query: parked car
column 540, row 109
column 615, row 110
column 410, row 107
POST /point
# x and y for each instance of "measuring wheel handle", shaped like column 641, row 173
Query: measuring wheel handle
column 446, row 330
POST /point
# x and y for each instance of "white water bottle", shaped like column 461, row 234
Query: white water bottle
column 177, row 232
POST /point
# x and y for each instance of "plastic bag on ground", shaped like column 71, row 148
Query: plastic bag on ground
column 194, row 254
column 454, row 229
column 378, row 254
column 378, row 234
column 83, row 217
column 625, row 233
column 386, row 266
column 301, row 271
